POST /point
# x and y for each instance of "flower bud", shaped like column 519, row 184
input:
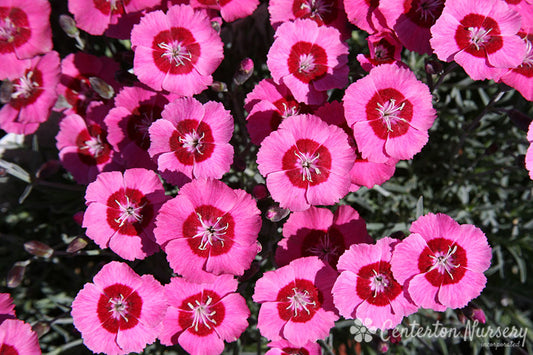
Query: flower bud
column 102, row 88
column 276, row 213
column 76, row 245
column 16, row 274
column 38, row 248
column 473, row 312
column 260, row 191
column 244, row 72
column 219, row 86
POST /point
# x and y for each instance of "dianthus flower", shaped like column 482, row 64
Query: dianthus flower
column 323, row 12
column 306, row 162
column 7, row 308
column 529, row 153
column 309, row 59
column 24, row 31
column 121, row 211
column 384, row 48
column 17, row 337
column 83, row 148
column 32, row 94
column 77, row 71
column 230, row 10
column 366, row 288
column 120, row 312
column 319, row 232
column 441, row 263
column 200, row 317
column 480, row 37
column 192, row 140
column 521, row 77
column 284, row 347
column 296, row 301
column 209, row 229
column 136, row 108
column 390, row 112
column 177, row 51
column 411, row 21
column 94, row 17
column 268, row 104
column 365, row 14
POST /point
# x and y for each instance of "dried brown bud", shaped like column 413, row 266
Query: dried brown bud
column 276, row 213
column 68, row 25
column 244, row 72
column 76, row 245
column 102, row 88
column 16, row 274
column 38, row 248
column 219, row 86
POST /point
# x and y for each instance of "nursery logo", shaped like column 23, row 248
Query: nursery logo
column 473, row 330
column 362, row 331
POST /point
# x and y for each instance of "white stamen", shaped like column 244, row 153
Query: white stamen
column 201, row 314
column 130, row 212
column 210, row 233
column 175, row 52
column 443, row 263
column 307, row 164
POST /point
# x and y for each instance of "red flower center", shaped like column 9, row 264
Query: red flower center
column 113, row 7
column 26, row 89
column 307, row 61
column 307, row 163
column 478, row 35
column 423, row 12
column 214, row 2
column 443, row 262
column 175, row 51
column 119, row 308
column 209, row 231
column 294, row 351
column 192, row 141
column 298, row 301
column 93, row 148
column 128, row 211
column 526, row 68
column 321, row 11
column 376, row 285
column 389, row 113
column 14, row 29
column 328, row 246
column 140, row 121
column 201, row 313
column 6, row 349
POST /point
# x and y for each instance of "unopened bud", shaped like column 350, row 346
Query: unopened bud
column 5, row 91
column 102, row 88
column 16, row 274
column 68, row 25
column 474, row 313
column 41, row 329
column 433, row 67
column 217, row 25
column 48, row 169
column 76, row 245
column 38, row 248
column 260, row 191
column 78, row 217
column 244, row 72
column 395, row 337
column 219, row 86
column 383, row 347
column 276, row 213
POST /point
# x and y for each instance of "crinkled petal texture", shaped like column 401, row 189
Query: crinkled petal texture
column 193, row 139
column 120, row 312
column 390, row 112
column 121, row 211
column 33, row 94
column 521, row 77
column 177, row 51
column 306, row 162
column 296, row 301
column 441, row 263
column 284, row 347
column 366, row 288
column 208, row 229
column 17, row 337
column 309, row 59
column 25, row 31
column 480, row 37
column 201, row 316
column 317, row 231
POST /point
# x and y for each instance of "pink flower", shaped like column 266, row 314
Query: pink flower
column 521, row 77
column 323, row 12
column 296, row 301
column 77, row 69
column 441, row 263
column 384, row 48
column 17, row 337
column 177, row 51
column 32, row 94
column 319, row 232
column 136, row 108
column 121, row 211
column 308, row 59
column 267, row 105
column 24, row 31
column 366, row 288
column 230, row 10
column 208, row 229
column 120, row 312
column 306, row 162
column 192, row 140
column 529, row 153
column 95, row 16
column 7, row 308
column 365, row 14
column 390, row 112
column 83, row 148
column 201, row 317
column 480, row 37
column 283, row 347
column 411, row 21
